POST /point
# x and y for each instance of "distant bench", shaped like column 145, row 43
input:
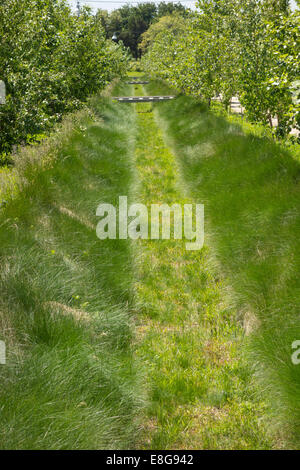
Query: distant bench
column 136, row 83
column 139, row 99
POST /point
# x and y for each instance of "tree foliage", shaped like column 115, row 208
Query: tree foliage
column 130, row 22
column 50, row 60
column 173, row 23
column 249, row 48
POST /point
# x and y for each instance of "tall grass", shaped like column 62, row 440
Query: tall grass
column 200, row 386
column 251, row 189
column 70, row 381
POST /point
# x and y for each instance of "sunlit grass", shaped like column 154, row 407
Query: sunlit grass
column 70, row 381
column 250, row 187
column 67, row 300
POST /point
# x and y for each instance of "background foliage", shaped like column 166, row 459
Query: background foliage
column 130, row 22
column 248, row 48
column 50, row 60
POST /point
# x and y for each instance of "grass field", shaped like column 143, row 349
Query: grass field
column 250, row 188
column 71, row 381
column 116, row 344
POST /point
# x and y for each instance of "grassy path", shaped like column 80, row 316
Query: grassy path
column 200, row 388
column 250, row 187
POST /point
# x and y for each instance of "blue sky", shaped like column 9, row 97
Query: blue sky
column 110, row 5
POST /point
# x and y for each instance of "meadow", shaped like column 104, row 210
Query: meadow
column 121, row 344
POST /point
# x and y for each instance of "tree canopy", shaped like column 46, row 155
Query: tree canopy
column 130, row 22
column 50, row 61
column 249, row 48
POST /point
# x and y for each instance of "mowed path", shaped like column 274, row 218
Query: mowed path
column 200, row 392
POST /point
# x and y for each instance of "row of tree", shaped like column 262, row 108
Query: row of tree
column 248, row 48
column 50, row 61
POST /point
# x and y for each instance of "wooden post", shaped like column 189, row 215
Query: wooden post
column 2, row 92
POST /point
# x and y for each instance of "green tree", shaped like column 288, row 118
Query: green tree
column 50, row 60
column 173, row 23
column 130, row 22
column 249, row 48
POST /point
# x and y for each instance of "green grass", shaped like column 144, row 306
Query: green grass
column 211, row 325
column 71, row 380
column 251, row 191
column 201, row 394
